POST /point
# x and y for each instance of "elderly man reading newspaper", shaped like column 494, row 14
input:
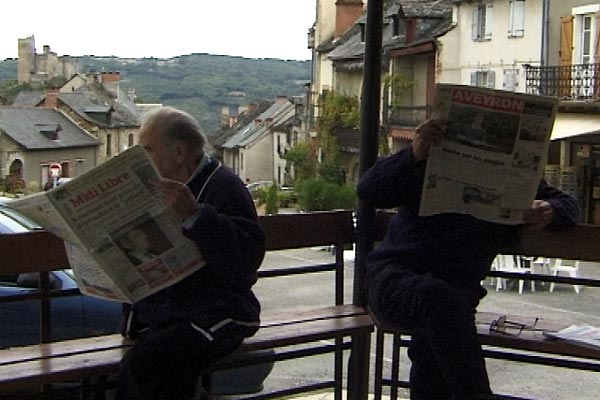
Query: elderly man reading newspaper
column 205, row 316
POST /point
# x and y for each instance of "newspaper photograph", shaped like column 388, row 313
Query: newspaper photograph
column 123, row 243
column 492, row 155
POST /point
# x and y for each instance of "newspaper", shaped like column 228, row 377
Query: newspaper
column 122, row 242
column 585, row 335
column 493, row 153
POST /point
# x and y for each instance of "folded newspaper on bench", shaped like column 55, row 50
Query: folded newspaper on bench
column 122, row 242
column 584, row 335
column 493, row 153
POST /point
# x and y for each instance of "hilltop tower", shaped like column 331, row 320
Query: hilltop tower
column 26, row 63
column 41, row 68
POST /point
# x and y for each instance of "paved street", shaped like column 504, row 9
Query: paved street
column 507, row 377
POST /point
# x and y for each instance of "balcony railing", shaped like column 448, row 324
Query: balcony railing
column 568, row 82
column 406, row 116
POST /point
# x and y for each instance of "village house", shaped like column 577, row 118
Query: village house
column 33, row 139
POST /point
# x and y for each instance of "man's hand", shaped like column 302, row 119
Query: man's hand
column 429, row 133
column 539, row 215
column 177, row 197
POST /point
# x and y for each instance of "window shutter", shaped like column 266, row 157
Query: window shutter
column 518, row 18
column 597, row 37
column 491, row 81
column 565, row 54
column 487, row 34
column 473, row 78
column 475, row 23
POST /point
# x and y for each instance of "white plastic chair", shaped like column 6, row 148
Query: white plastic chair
column 543, row 265
column 570, row 267
column 504, row 262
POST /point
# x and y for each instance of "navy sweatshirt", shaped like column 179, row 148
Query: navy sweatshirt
column 457, row 248
column 228, row 233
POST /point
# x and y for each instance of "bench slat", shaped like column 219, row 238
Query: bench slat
column 63, row 360
column 72, row 368
column 35, row 251
column 308, row 229
column 62, row 348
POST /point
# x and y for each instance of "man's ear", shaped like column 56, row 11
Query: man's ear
column 181, row 151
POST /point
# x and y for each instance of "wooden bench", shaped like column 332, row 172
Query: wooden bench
column 292, row 334
column 531, row 346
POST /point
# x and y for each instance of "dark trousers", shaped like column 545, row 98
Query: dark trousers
column 164, row 364
column 445, row 353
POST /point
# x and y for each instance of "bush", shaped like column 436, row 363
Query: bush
column 319, row 195
column 272, row 200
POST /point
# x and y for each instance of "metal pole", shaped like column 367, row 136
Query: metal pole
column 358, row 386
column 369, row 139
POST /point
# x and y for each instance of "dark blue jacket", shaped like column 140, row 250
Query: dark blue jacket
column 228, row 233
column 455, row 247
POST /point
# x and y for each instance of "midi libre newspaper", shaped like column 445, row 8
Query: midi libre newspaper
column 493, row 153
column 122, row 242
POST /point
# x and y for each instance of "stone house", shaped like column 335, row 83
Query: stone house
column 255, row 151
column 32, row 139
column 96, row 103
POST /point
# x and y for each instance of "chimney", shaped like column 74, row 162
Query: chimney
column 410, row 30
column 347, row 12
column 51, row 98
column 225, row 117
column 110, row 82
column 252, row 107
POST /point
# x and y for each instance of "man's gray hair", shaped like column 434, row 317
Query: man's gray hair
column 175, row 125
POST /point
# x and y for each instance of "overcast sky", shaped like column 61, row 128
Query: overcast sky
column 162, row 29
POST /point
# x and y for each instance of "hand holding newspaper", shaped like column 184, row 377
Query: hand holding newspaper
column 122, row 242
column 492, row 156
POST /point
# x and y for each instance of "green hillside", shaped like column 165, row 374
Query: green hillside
column 198, row 83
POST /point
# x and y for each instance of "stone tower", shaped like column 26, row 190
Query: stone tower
column 26, row 63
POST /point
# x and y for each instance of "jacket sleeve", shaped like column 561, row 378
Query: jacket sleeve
column 393, row 181
column 564, row 206
column 228, row 233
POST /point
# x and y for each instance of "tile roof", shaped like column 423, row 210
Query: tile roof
column 223, row 135
column 280, row 112
column 32, row 98
column 434, row 18
column 90, row 100
column 29, row 127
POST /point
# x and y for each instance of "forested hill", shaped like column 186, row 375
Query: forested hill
column 198, row 83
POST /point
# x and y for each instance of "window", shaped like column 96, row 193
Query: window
column 511, row 79
column 482, row 22
column 516, row 18
column 130, row 140
column 586, row 39
column 483, row 79
column 108, row 144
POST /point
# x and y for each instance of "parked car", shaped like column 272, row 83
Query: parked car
column 72, row 317
column 254, row 186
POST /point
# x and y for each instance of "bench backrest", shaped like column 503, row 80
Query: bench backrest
column 579, row 242
column 42, row 252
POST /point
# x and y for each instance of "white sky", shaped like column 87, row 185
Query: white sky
column 163, row 29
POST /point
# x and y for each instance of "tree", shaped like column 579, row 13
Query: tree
column 337, row 112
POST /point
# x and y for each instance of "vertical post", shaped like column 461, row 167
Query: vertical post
column 358, row 384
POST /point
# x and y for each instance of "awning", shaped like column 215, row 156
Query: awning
column 577, row 127
column 406, row 134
